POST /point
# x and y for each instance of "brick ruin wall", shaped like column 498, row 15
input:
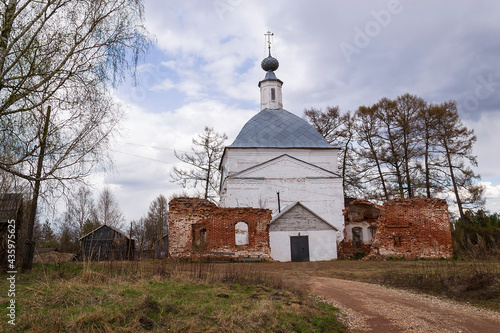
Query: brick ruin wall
column 413, row 228
column 409, row 228
column 362, row 214
column 188, row 217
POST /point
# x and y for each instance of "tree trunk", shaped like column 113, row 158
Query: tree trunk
column 379, row 169
column 407, row 166
column 454, row 182
column 426, row 166
column 207, row 181
column 29, row 247
column 8, row 22
column 396, row 163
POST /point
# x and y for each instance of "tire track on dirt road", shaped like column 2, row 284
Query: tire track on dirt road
column 369, row 307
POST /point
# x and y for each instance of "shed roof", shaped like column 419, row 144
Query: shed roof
column 9, row 206
column 110, row 227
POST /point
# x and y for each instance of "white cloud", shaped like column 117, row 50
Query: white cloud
column 144, row 155
column 207, row 64
column 492, row 195
column 486, row 128
column 164, row 85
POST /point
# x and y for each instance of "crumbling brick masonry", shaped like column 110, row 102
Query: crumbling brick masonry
column 414, row 228
column 409, row 228
column 361, row 219
column 197, row 226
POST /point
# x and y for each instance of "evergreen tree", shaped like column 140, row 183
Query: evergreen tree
column 47, row 236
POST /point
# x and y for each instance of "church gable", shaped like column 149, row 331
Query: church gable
column 285, row 166
column 297, row 217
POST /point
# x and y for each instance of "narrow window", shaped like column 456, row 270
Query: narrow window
column 273, row 94
column 203, row 237
column 200, row 237
column 241, row 233
column 397, row 241
column 356, row 238
column 372, row 230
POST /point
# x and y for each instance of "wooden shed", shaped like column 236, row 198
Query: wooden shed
column 11, row 220
column 161, row 250
column 107, row 243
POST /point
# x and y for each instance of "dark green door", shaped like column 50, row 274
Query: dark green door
column 300, row 248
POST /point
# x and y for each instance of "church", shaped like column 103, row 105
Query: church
column 280, row 162
column 281, row 198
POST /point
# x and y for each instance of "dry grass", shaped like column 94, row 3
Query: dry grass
column 163, row 296
column 477, row 282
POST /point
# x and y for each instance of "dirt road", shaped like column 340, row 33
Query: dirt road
column 372, row 308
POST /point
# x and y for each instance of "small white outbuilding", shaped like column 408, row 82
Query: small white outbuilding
column 298, row 234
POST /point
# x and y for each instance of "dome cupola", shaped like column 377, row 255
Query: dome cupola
column 270, row 64
column 270, row 88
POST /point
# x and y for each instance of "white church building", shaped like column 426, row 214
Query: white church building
column 280, row 162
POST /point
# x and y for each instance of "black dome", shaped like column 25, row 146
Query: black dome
column 270, row 64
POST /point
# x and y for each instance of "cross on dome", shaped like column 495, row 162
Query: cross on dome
column 269, row 34
column 270, row 63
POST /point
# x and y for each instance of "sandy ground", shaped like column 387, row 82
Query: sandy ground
column 367, row 307
column 372, row 308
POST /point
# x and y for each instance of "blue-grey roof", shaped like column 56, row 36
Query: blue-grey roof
column 270, row 64
column 278, row 129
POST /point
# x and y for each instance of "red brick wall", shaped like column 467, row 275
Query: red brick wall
column 188, row 214
column 422, row 226
column 363, row 214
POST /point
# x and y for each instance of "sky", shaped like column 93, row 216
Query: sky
column 204, row 70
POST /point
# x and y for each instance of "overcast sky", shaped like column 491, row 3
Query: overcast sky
column 205, row 67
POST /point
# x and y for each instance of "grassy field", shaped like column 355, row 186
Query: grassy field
column 161, row 297
column 171, row 296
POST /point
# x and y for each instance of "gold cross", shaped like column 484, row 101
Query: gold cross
column 269, row 34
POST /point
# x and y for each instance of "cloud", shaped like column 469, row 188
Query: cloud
column 492, row 195
column 486, row 128
column 144, row 155
column 206, row 67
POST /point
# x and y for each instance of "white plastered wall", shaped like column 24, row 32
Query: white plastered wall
column 322, row 244
column 323, row 196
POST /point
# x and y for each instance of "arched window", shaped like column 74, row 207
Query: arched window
column 372, row 231
column 241, row 233
column 357, row 237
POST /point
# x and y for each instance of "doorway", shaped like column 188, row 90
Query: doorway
column 299, row 248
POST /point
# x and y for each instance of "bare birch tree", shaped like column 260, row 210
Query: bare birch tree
column 80, row 209
column 156, row 222
column 58, row 61
column 204, row 164
column 108, row 210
